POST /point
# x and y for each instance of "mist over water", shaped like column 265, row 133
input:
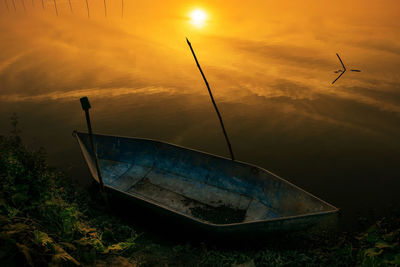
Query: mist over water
column 271, row 77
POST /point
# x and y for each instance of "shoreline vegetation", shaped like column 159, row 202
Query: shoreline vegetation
column 45, row 220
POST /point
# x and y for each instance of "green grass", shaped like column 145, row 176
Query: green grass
column 46, row 220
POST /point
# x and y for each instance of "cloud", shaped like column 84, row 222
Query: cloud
column 76, row 94
column 49, row 58
column 282, row 52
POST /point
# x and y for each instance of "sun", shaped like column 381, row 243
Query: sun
column 198, row 17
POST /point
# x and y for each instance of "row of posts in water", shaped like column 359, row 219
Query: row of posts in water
column 12, row 5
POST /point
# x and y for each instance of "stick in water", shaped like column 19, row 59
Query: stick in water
column 212, row 99
column 8, row 8
column 344, row 68
column 15, row 7
column 55, row 7
column 70, row 6
column 87, row 7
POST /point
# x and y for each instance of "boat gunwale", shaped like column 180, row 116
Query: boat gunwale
column 148, row 200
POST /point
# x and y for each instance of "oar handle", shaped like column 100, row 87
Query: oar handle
column 86, row 106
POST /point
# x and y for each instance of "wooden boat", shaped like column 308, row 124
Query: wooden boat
column 207, row 190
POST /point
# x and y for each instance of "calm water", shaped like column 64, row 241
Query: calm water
column 280, row 110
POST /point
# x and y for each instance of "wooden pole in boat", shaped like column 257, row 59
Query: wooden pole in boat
column 213, row 101
column 86, row 106
column 105, row 9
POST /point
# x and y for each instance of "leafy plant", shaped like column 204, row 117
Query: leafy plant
column 380, row 245
column 44, row 219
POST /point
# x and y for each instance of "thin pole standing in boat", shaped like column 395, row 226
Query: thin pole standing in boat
column 86, row 106
column 213, row 101
column 105, row 9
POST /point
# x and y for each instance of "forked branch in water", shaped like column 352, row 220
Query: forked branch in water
column 342, row 71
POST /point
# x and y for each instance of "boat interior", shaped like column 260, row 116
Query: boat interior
column 204, row 187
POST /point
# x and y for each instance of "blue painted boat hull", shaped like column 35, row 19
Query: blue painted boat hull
column 204, row 190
